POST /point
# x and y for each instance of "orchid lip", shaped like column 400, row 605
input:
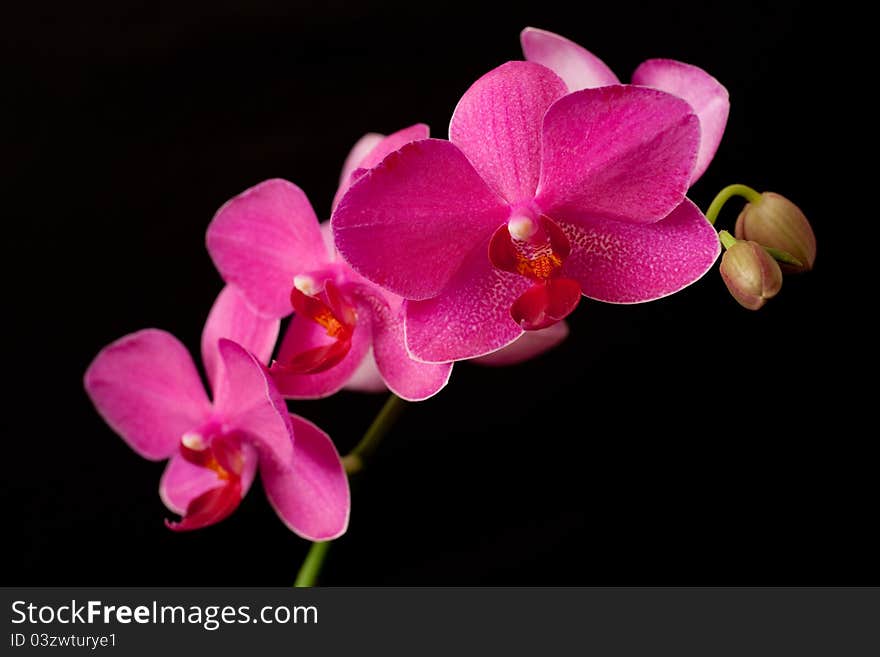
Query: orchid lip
column 210, row 507
column 221, row 453
column 331, row 309
column 535, row 247
column 546, row 303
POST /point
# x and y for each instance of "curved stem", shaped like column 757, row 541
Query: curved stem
column 728, row 193
column 354, row 462
column 311, row 567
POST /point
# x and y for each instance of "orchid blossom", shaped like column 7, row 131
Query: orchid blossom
column 146, row 386
column 540, row 196
column 268, row 243
column 363, row 156
column 581, row 69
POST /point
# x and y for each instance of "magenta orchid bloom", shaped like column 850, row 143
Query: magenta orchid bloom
column 364, row 155
column 146, row 386
column 269, row 244
column 581, row 69
column 540, row 196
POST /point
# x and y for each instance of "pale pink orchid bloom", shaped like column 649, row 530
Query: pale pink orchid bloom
column 581, row 69
column 269, row 244
column 540, row 196
column 146, row 386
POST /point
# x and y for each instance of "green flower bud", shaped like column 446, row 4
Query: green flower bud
column 750, row 273
column 776, row 222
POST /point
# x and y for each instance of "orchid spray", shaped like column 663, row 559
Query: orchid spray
column 557, row 182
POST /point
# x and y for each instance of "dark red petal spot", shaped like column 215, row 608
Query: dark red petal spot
column 209, row 508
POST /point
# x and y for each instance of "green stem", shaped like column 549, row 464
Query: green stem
column 728, row 193
column 354, row 462
column 727, row 240
column 311, row 567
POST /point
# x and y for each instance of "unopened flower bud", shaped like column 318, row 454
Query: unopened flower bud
column 750, row 273
column 776, row 222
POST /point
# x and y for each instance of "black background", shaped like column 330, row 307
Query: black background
column 686, row 441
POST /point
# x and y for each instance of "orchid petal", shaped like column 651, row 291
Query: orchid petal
column 622, row 262
column 578, row 67
column 232, row 318
column 497, row 124
column 358, row 152
column 470, row 317
column 526, row 347
column 394, row 141
column 378, row 153
column 407, row 223
column 248, row 402
column 407, row 378
column 623, row 153
column 327, row 236
column 264, row 237
column 708, row 98
column 146, row 387
column 366, row 377
column 310, row 495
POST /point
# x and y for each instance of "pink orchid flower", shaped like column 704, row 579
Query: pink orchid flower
column 540, row 196
column 367, row 378
column 146, row 386
column 269, row 244
column 581, row 69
